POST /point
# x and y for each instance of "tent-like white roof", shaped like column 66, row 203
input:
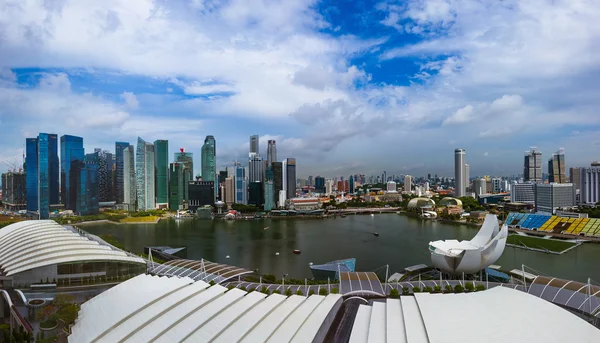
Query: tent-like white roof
column 171, row 309
column 497, row 315
column 36, row 243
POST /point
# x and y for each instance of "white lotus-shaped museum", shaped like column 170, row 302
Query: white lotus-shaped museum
column 456, row 257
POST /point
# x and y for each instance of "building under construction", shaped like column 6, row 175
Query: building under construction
column 13, row 191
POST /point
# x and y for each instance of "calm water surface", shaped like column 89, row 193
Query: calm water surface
column 402, row 242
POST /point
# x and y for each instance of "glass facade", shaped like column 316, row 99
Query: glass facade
column 201, row 193
column 209, row 163
column 145, row 175
column 291, row 178
column 71, row 151
column 320, row 184
column 84, row 181
column 31, row 174
column 96, row 272
column 53, row 170
column 176, row 182
column 43, row 177
column 129, row 180
column 161, row 160
column 187, row 159
column 256, row 194
column 119, row 170
column 240, row 185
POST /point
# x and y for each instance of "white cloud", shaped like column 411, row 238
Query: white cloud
column 131, row 100
column 486, row 154
column 462, row 115
column 507, row 103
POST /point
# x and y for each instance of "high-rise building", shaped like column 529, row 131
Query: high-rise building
column 351, row 184
column 523, row 192
column 129, row 179
column 277, row 178
column 496, row 185
column 85, row 182
column 256, row 169
column 319, row 184
column 177, row 183
column 291, row 178
column 467, row 177
column 532, row 169
column 71, row 151
column 557, row 171
column 269, row 203
column 201, row 193
column 42, row 173
column 104, row 159
column 407, row 183
column 589, row 179
column 553, row 196
column 119, row 171
column 392, row 186
column 283, row 193
column 186, row 158
column 13, row 190
column 241, row 181
column 253, row 145
column 161, row 165
column 229, row 195
column 256, row 194
column 341, row 186
column 575, row 179
column 271, row 152
column 459, row 173
column 328, row 187
column 144, row 172
column 209, row 163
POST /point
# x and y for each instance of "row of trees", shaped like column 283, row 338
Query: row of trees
column 469, row 287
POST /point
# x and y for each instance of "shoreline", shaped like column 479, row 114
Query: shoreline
column 101, row 221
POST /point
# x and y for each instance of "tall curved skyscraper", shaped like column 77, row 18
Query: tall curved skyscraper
column 271, row 152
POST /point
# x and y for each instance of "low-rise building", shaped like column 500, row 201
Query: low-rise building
column 304, row 204
column 552, row 196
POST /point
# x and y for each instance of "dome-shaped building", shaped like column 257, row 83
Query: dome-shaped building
column 417, row 203
column 449, row 201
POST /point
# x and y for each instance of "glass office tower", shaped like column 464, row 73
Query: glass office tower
column 42, row 168
column 161, row 163
column 71, row 151
column 119, row 169
column 209, row 165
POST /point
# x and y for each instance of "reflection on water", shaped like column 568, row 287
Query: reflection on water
column 402, row 242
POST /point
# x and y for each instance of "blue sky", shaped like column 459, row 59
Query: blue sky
column 343, row 86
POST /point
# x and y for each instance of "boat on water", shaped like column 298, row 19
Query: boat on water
column 343, row 215
column 331, row 269
column 297, row 252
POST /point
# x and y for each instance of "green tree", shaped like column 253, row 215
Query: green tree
column 394, row 294
column 323, row 291
column 427, row 289
column 416, row 290
column 311, row 292
column 334, row 291
column 480, row 287
column 437, row 289
column 264, row 290
column 299, row 292
column 458, row 288
column 405, row 291
column 449, row 289
column 469, row 287
column 68, row 313
column 288, row 292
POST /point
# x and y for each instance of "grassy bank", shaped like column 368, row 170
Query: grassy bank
column 132, row 220
column 539, row 243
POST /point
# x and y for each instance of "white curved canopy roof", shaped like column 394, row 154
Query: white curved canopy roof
column 37, row 243
column 172, row 309
column 497, row 315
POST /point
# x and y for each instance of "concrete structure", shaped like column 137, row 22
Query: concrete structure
column 556, row 167
column 450, row 202
column 552, row 196
column 36, row 250
column 456, row 257
column 523, row 193
column 328, row 187
column 254, row 146
column 120, row 147
column 532, row 168
column 161, row 164
column 465, row 317
column 419, row 203
column 165, row 309
column 42, row 174
column 391, row 186
column 14, row 191
column 256, row 169
column 467, row 177
column 407, row 183
column 144, row 172
column 305, row 204
column 241, row 184
column 271, row 152
column 229, row 190
column 129, row 179
column 480, row 186
column 590, row 185
column 459, row 173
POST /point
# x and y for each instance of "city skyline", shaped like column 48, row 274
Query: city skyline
column 451, row 74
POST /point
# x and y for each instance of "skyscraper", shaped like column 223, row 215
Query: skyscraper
column 187, row 159
column 241, row 188
column 229, row 190
column 351, row 184
column 145, row 175
column 407, row 183
column 209, row 165
column 557, row 171
column 129, row 179
column 459, row 173
column 71, row 151
column 177, row 184
column 256, row 169
column 291, row 178
column 42, row 173
column 253, row 145
column 104, row 160
column 269, row 190
column 271, row 152
column 120, row 177
column 161, row 164
column 84, row 180
column 319, row 184
column 467, row 177
column 532, row 169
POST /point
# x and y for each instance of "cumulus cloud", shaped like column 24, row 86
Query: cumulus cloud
column 131, row 100
column 462, row 115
